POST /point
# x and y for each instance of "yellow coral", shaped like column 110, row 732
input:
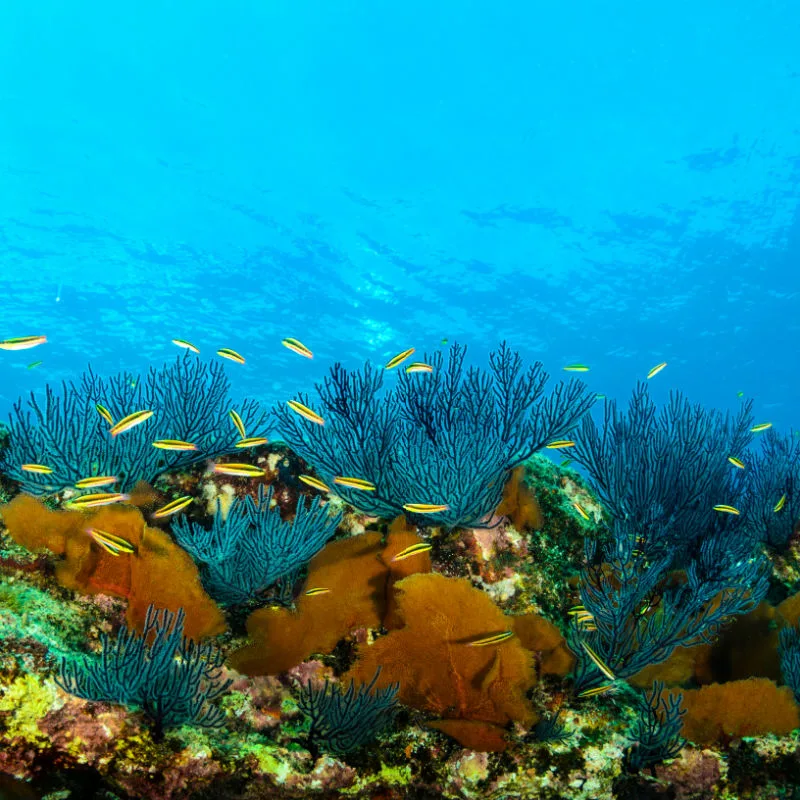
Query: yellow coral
column 28, row 700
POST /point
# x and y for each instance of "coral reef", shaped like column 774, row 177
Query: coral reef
column 494, row 649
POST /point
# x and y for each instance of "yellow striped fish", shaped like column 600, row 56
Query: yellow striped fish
column 597, row 690
column 126, row 423
column 496, row 638
column 253, row 441
column 576, row 368
column 297, row 347
column 95, row 481
column 38, row 469
column 239, row 470
column 113, row 545
column 104, row 413
column 726, row 509
column 305, row 411
column 399, row 358
column 22, row 342
column 237, row 422
column 656, row 369
column 315, row 483
column 424, row 508
column 559, row 444
column 598, row 662
column 418, row 366
column 581, row 510
column 173, row 444
column 762, row 426
column 187, row 345
column 355, row 483
column 231, row 355
column 780, row 504
column 94, row 500
column 174, row 507
column 412, row 550
column 313, row 592
column 737, row 462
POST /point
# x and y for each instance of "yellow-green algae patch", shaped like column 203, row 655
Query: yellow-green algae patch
column 26, row 700
column 387, row 776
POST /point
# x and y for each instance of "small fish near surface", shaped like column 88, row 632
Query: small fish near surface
column 22, row 342
column 418, row 366
column 305, row 411
column 656, row 369
column 576, row 368
column 126, row 423
column 395, row 361
column 297, row 346
column 762, row 426
column 186, row 345
column 231, row 355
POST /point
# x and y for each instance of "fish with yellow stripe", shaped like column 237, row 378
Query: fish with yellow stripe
column 412, row 550
column 297, row 346
column 126, row 423
column 395, row 361
column 496, row 638
column 112, row 544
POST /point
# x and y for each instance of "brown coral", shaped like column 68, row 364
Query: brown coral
column 724, row 711
column 359, row 574
column 440, row 672
column 158, row 572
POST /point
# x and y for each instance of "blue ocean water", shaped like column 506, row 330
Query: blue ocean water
column 611, row 183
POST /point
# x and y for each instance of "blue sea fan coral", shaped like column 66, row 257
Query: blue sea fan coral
column 771, row 507
column 656, row 732
column 641, row 613
column 664, row 471
column 172, row 679
column 252, row 547
column 344, row 720
column 67, row 434
column 448, row 437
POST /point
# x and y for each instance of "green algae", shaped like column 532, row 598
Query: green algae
column 29, row 612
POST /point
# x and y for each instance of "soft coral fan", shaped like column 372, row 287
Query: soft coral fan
column 772, row 482
column 171, row 678
column 67, row 434
column 252, row 547
column 448, row 437
column 660, row 475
